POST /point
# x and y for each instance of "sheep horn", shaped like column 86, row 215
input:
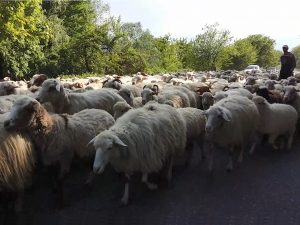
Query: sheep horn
column 156, row 89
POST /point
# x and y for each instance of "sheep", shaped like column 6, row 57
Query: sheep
column 58, row 137
column 120, row 108
column 207, row 100
column 275, row 120
column 272, row 96
column 236, row 92
column 17, row 162
column 142, row 140
column 52, row 91
column 138, row 78
column 291, row 97
column 149, row 93
column 12, row 88
column 187, row 97
column 37, row 80
column 6, row 102
column 195, row 129
column 115, row 84
column 231, row 122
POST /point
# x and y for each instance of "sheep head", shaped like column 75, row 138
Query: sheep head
column 22, row 114
column 216, row 117
column 120, row 108
column 108, row 147
column 52, row 91
column 289, row 94
column 147, row 95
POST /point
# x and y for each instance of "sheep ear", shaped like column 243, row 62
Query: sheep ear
column 226, row 115
column 57, row 87
column 118, row 141
column 91, row 141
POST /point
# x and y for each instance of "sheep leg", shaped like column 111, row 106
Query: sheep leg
column 230, row 163
column 253, row 146
column 240, row 159
column 272, row 139
column 125, row 198
column 19, row 202
column 290, row 141
column 169, row 169
column 150, row 185
column 211, row 158
column 90, row 178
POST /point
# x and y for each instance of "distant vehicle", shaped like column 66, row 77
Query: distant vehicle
column 252, row 69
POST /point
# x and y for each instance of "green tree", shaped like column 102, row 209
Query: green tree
column 239, row 55
column 184, row 52
column 296, row 52
column 24, row 33
column 208, row 46
column 265, row 49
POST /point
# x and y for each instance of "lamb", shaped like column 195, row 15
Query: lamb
column 142, row 140
column 275, row 120
column 17, row 161
column 52, row 91
column 231, row 122
column 58, row 137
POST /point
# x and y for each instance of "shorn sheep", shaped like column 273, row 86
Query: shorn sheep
column 275, row 120
column 58, row 137
column 231, row 123
column 17, row 161
column 142, row 140
column 52, row 91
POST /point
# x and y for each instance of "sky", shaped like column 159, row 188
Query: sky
column 280, row 20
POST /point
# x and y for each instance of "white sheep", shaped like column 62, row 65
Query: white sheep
column 142, row 140
column 231, row 122
column 58, row 137
column 291, row 96
column 232, row 92
column 63, row 102
column 120, row 108
column 275, row 120
column 195, row 129
column 17, row 161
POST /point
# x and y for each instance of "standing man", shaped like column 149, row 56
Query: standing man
column 288, row 63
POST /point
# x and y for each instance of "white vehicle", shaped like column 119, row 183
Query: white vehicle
column 252, row 69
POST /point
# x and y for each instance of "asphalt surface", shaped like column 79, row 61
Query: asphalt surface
column 265, row 189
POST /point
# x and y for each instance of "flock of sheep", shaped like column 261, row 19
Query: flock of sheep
column 143, row 124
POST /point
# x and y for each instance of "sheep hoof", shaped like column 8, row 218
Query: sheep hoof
column 124, row 202
column 229, row 168
column 152, row 186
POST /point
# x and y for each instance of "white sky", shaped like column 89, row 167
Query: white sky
column 279, row 20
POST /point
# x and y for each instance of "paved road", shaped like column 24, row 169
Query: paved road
column 264, row 190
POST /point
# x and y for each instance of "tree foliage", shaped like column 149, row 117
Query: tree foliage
column 74, row 37
column 24, row 33
column 265, row 48
column 296, row 52
column 208, row 46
